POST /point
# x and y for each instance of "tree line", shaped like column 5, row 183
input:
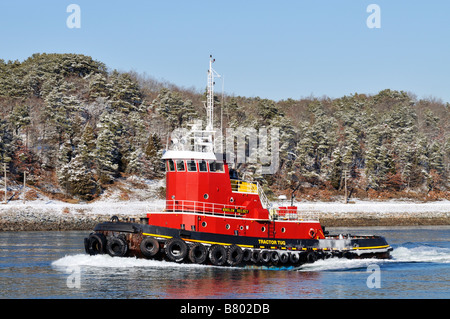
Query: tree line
column 75, row 127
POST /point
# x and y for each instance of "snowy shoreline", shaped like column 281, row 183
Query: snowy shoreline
column 45, row 215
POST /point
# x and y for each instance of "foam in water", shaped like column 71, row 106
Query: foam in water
column 422, row 254
column 399, row 255
column 106, row 261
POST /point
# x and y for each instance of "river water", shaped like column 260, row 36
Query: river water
column 54, row 265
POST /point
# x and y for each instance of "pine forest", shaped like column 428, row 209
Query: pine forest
column 75, row 128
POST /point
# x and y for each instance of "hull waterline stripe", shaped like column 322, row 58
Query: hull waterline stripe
column 251, row 246
column 196, row 241
column 157, row 235
column 373, row 247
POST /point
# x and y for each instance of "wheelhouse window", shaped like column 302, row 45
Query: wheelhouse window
column 216, row 167
column 191, row 166
column 202, row 166
column 180, row 166
column 170, row 166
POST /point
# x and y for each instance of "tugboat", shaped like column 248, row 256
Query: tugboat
column 211, row 216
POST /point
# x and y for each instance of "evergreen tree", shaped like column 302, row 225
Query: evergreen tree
column 77, row 179
column 171, row 107
column 107, row 155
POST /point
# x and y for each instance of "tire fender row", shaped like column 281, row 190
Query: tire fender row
column 177, row 250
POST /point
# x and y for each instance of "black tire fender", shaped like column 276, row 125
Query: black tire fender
column 235, row 255
column 284, row 257
column 246, row 255
column 116, row 247
column 294, row 257
column 255, row 256
column 95, row 244
column 311, row 257
column 217, row 255
column 265, row 256
column 198, row 253
column 175, row 249
column 149, row 246
column 274, row 257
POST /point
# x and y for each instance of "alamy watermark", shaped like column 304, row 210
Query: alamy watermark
column 374, row 279
column 374, row 19
column 74, row 279
column 74, row 19
column 240, row 145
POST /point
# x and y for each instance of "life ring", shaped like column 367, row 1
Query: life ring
column 217, row 255
column 265, row 256
column 284, row 257
column 197, row 253
column 149, row 246
column 175, row 249
column 312, row 233
column 235, row 255
column 116, row 247
column 95, row 244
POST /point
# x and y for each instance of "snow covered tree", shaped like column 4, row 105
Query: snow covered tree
column 98, row 86
column 124, row 92
column 77, row 179
column 86, row 148
column 175, row 111
column 107, row 153
column 6, row 142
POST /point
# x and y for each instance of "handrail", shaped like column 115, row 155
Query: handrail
column 201, row 208
column 293, row 213
column 262, row 196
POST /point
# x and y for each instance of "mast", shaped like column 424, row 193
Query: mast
column 210, row 95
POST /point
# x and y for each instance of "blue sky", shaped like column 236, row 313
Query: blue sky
column 272, row 49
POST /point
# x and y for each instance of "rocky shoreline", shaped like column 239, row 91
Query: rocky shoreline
column 84, row 218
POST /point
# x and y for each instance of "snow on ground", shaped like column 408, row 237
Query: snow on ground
column 113, row 206
column 379, row 207
column 135, row 197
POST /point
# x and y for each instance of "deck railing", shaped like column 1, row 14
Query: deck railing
column 292, row 213
column 201, row 208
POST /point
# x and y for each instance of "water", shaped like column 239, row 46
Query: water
column 54, row 265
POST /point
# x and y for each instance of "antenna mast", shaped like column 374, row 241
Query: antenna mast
column 210, row 96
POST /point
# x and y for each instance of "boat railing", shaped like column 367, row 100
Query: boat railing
column 293, row 213
column 189, row 206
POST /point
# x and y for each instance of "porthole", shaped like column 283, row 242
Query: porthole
column 204, row 224
column 283, row 230
column 231, row 200
column 241, row 227
column 206, row 196
column 227, row 226
column 263, row 229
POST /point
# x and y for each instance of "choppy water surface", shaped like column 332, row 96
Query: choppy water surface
column 54, row 265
